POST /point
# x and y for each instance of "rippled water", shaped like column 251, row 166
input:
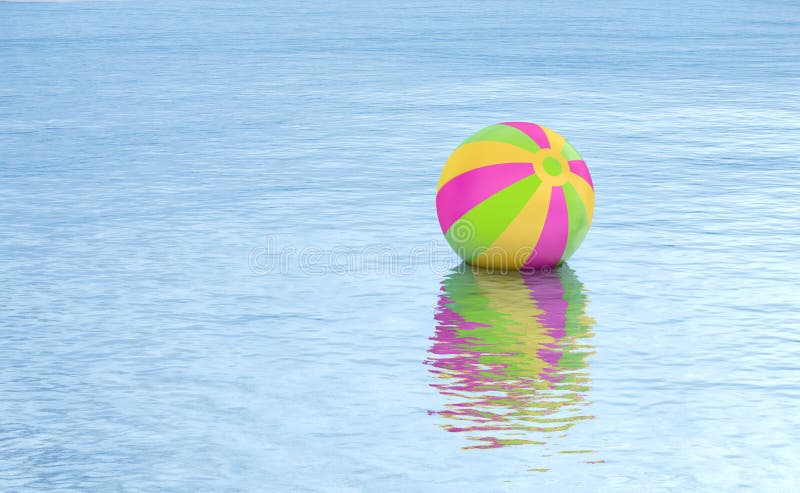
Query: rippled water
column 511, row 354
column 222, row 268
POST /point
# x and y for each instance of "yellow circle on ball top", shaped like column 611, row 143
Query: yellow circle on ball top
column 551, row 167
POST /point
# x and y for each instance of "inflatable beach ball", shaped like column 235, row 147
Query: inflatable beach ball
column 515, row 196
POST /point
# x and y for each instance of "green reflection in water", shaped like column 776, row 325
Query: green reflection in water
column 510, row 354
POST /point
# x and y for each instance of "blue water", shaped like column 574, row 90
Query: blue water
column 221, row 267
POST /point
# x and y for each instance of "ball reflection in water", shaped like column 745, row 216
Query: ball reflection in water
column 509, row 353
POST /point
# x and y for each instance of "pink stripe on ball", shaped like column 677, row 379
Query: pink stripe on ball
column 533, row 131
column 553, row 239
column 469, row 189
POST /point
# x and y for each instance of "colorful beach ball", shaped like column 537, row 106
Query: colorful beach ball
column 515, row 196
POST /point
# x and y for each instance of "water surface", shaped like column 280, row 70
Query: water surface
column 168, row 168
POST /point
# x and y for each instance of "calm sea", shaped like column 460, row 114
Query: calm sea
column 221, row 268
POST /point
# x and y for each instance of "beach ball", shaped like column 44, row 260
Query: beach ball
column 515, row 195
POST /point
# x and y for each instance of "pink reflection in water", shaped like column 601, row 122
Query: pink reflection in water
column 509, row 353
